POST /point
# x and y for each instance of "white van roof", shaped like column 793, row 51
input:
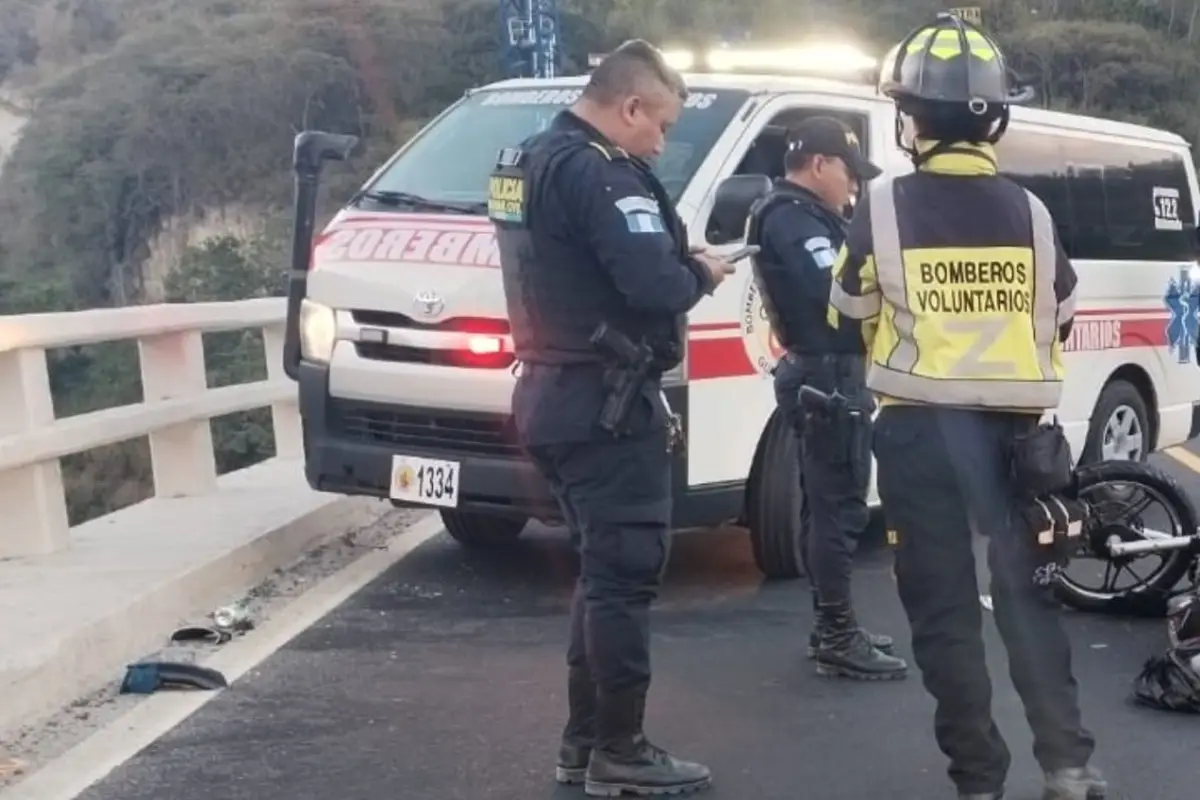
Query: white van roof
column 781, row 84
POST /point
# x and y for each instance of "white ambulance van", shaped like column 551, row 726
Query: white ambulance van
column 406, row 365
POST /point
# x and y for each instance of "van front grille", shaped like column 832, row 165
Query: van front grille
column 473, row 434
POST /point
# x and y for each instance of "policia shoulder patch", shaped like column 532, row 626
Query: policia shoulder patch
column 506, row 188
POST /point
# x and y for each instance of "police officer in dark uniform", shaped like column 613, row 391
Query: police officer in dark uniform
column 965, row 296
column 589, row 238
column 800, row 225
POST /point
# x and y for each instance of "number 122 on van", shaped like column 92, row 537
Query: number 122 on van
column 425, row 481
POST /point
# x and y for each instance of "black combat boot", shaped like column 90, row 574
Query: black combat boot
column 1080, row 783
column 843, row 650
column 580, row 733
column 883, row 644
column 624, row 762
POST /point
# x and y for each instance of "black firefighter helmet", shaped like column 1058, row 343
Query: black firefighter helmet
column 949, row 70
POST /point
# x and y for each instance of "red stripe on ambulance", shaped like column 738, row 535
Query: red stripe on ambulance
column 718, row 350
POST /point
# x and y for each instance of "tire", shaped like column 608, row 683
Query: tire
column 775, row 503
column 1118, row 399
column 1149, row 599
column 481, row 530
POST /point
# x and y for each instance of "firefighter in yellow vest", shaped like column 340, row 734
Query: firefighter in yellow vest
column 965, row 296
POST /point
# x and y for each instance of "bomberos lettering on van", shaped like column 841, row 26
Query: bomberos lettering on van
column 473, row 246
column 1099, row 334
column 972, row 287
column 762, row 345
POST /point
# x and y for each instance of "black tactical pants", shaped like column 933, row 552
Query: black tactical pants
column 836, row 475
column 942, row 474
column 615, row 496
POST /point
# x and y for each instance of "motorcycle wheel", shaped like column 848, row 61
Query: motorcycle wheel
column 1121, row 492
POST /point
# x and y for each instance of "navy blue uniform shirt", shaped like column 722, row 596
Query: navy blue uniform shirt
column 800, row 238
column 603, row 252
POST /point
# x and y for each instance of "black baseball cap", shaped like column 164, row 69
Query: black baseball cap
column 826, row 136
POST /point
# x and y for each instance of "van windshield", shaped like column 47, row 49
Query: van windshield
column 450, row 162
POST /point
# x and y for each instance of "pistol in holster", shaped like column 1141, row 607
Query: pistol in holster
column 836, row 430
column 631, row 364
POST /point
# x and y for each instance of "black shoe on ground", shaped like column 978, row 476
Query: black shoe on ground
column 572, row 763
column 844, row 652
column 1081, row 783
column 625, row 762
column 882, row 643
column 985, row 796
column 580, row 732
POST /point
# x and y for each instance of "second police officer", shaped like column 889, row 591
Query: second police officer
column 588, row 238
column 966, row 296
column 799, row 226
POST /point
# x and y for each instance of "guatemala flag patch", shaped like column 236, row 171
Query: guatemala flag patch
column 642, row 215
column 822, row 251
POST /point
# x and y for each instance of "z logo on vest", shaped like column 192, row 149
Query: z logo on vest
column 762, row 347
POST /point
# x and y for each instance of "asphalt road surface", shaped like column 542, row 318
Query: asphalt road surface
column 444, row 680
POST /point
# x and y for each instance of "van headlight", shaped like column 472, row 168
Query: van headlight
column 318, row 332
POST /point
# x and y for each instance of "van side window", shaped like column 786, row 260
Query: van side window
column 1035, row 160
column 1114, row 202
column 765, row 155
column 1147, row 203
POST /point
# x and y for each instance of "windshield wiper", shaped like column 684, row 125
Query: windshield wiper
column 416, row 201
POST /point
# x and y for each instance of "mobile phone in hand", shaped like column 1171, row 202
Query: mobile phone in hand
column 742, row 253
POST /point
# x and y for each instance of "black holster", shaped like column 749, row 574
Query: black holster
column 832, row 434
column 623, row 387
column 1041, row 460
column 835, row 435
column 838, row 434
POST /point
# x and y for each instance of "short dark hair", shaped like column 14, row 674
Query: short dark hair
column 796, row 160
column 623, row 71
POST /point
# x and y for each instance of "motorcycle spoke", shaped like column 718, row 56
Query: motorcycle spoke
column 1135, row 512
column 1128, row 567
column 1122, row 513
column 1109, row 584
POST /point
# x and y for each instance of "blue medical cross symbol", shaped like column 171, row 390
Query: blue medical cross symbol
column 1183, row 301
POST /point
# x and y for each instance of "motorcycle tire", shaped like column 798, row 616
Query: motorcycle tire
column 1148, row 599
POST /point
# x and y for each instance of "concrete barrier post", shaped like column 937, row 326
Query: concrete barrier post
column 182, row 455
column 31, row 497
column 289, row 435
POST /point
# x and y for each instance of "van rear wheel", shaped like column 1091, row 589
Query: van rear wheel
column 481, row 530
column 775, row 512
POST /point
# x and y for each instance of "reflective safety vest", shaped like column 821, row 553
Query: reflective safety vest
column 965, row 326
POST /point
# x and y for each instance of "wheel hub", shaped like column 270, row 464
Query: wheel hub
column 1099, row 536
column 1123, row 439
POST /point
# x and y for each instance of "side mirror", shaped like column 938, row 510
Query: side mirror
column 732, row 204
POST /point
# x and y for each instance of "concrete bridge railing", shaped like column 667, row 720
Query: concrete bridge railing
column 175, row 412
